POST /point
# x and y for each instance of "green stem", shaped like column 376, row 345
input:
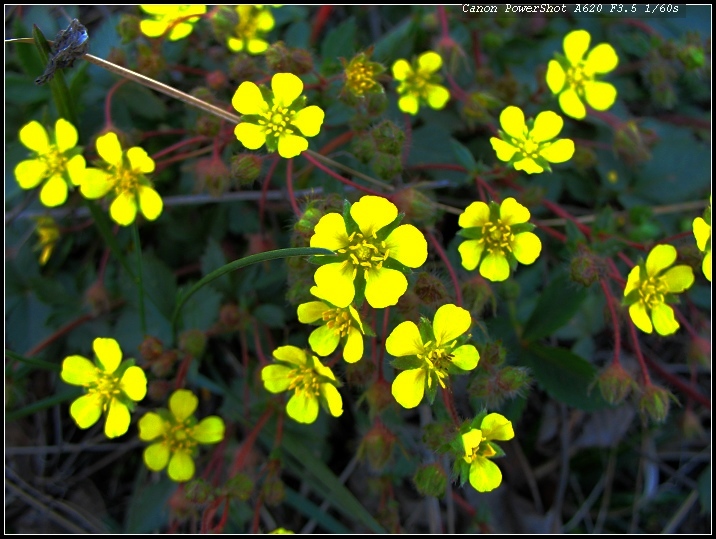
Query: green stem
column 139, row 279
column 32, row 361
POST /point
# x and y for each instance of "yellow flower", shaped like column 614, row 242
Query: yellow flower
column 419, row 83
column 530, row 148
column 312, row 383
column 649, row 287
column 367, row 238
column 49, row 234
column 125, row 177
column 165, row 15
column 112, row 386
column 432, row 353
column 574, row 77
column 282, row 531
column 361, row 75
column 702, row 233
column 56, row 161
column 277, row 118
column 338, row 325
column 253, row 23
column 479, row 448
column 176, row 435
column 498, row 238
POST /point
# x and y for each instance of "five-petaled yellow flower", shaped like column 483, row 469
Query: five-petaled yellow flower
column 176, row 435
column 479, row 449
column 178, row 17
column 253, row 23
column 430, row 353
column 420, row 83
column 277, row 118
column 337, row 325
column 361, row 75
column 112, row 387
column 372, row 254
column 649, row 290
column 498, row 238
column 312, row 384
column 574, row 77
column 530, row 147
column 57, row 161
column 702, row 233
column 125, row 177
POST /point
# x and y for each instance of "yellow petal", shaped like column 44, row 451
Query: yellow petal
column 153, row 28
column 182, row 404
column 706, row 266
column 210, row 430
column 556, row 76
column 302, row 407
column 429, row 62
column 264, row 21
column 678, row 279
column 86, row 410
column 34, row 136
column 470, row 440
column 663, row 317
column 404, row 340
column 311, row 311
column 290, row 354
column 633, row 280
column 409, row 387
column 639, row 316
column 332, row 398
column 504, row 150
column 476, row 214
column 248, row 99
column 401, row 70
column 323, row 340
column 291, row 145
column 236, row 45
column 30, row 173
column 109, row 149
column 601, row 59
column 337, row 280
column 150, row 202
column 497, row 427
column 180, row 31
column 151, row 426
column 513, row 213
column 600, row 95
column 181, row 467
column 438, row 96
column 547, row 126
column 372, row 213
column 484, row 475
column 139, row 160
column 134, row 383
column 257, row 46
column 330, row 233
column 384, row 287
column 250, row 135
column 576, row 44
column 407, row 245
column 495, row 267
column 156, row 457
column 559, row 151
column 660, row 258
column 117, row 419
column 465, row 357
column 76, row 168
column 526, row 247
column 529, row 166
column 353, row 350
column 449, row 323
column 702, row 232
column 123, row 209
column 309, row 120
column 409, row 104
column 108, row 353
column 512, row 120
column 470, row 253
column 286, row 88
column 78, row 371
column 276, row 378
column 65, row 135
column 54, row 192
column 572, row 105
column 95, row 183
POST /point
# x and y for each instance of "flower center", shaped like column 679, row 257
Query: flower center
column 305, row 380
column 368, row 253
column 179, row 437
column 482, row 449
column 360, row 77
column 497, row 236
column 437, row 359
column 577, row 76
column 56, row 161
column 339, row 320
column 247, row 28
column 652, row 291
column 106, row 386
column 277, row 121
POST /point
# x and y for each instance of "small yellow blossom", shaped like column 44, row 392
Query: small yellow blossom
column 277, row 118
column 420, row 83
column 282, row 531
column 176, row 435
column 373, row 253
column 529, row 146
column 312, row 384
column 124, row 176
column 112, row 387
column 649, row 290
column 702, row 233
column 165, row 16
column 48, row 236
column 253, row 23
column 337, row 325
column 429, row 354
column 57, row 161
column 361, row 75
column 574, row 77
column 498, row 238
column 479, row 448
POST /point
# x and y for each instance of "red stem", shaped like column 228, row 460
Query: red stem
column 249, row 442
column 615, row 321
column 451, row 271
column 639, row 355
column 320, row 21
column 679, row 384
column 264, row 190
column 108, row 104
column 176, row 146
column 289, row 186
column 340, row 178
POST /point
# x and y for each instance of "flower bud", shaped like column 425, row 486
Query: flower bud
column 128, row 28
column 431, row 480
column 240, row 487
column 97, row 297
column 230, row 317
column 150, row 63
column 387, row 166
column 632, row 142
column 150, row 349
column 419, row 208
column 281, row 58
column 654, row 404
column 377, row 446
column 242, row 67
column 216, row 80
column 476, row 294
column 199, row 491
column 213, row 175
column 245, row 168
column 388, row 138
column 615, row 383
column 586, row 267
column 430, row 290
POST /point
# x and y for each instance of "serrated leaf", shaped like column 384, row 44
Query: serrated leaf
column 555, row 307
column 340, row 42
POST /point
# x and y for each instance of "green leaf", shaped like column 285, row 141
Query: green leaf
column 704, row 490
column 340, row 42
column 555, row 307
column 463, row 155
column 148, row 510
column 202, row 309
column 397, row 43
column 271, row 315
column 32, row 361
column 565, row 376
column 212, row 259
